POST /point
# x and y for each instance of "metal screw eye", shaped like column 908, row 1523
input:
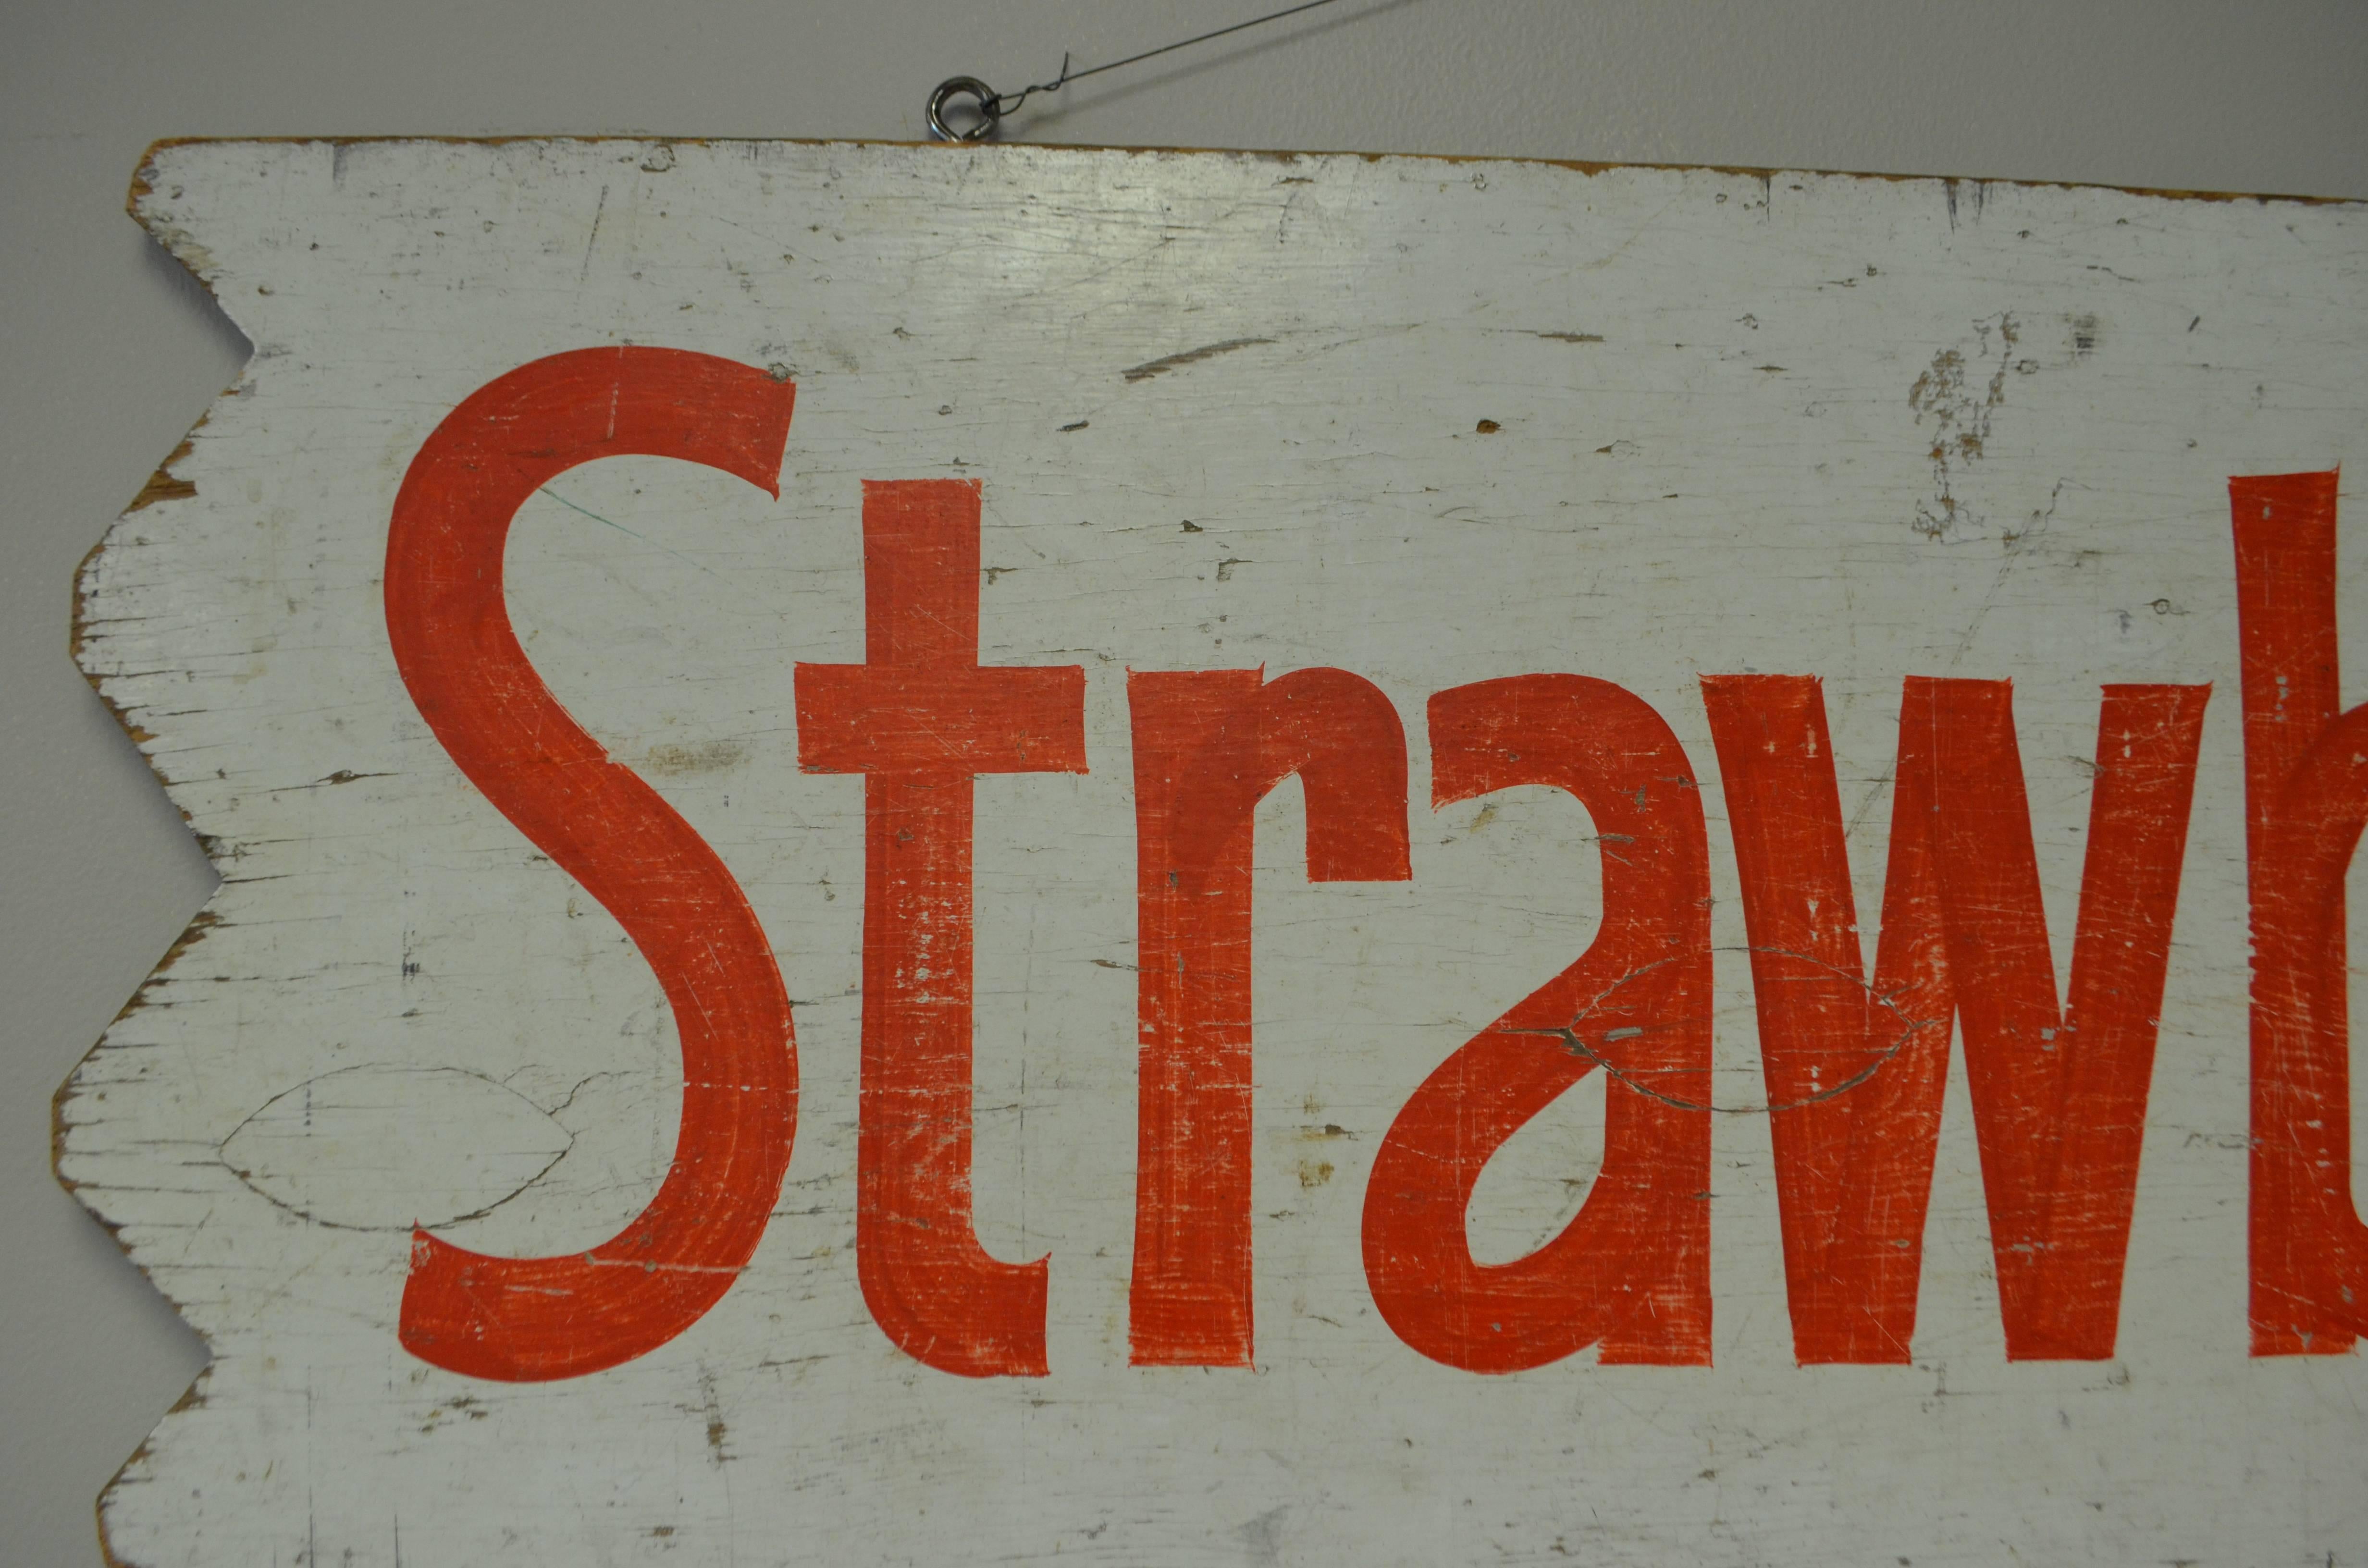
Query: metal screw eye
column 979, row 93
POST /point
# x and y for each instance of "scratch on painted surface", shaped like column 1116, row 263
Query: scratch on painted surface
column 1151, row 367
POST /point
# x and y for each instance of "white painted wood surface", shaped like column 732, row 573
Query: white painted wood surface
column 1427, row 421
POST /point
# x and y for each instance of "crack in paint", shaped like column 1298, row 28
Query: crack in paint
column 1568, row 1036
column 1151, row 367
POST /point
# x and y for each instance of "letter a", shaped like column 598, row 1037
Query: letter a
column 1633, row 1270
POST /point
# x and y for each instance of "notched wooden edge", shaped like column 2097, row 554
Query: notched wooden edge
column 191, row 1397
column 202, row 921
column 140, row 187
column 163, row 486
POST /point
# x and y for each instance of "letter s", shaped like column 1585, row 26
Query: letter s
column 531, row 1319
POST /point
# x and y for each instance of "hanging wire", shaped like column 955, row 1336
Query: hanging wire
column 992, row 107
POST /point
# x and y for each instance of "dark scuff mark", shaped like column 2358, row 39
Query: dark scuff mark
column 599, row 210
column 707, row 756
column 342, row 776
column 1151, row 367
column 713, row 1408
column 1978, row 189
column 1961, row 405
column 1080, row 424
column 1263, row 1535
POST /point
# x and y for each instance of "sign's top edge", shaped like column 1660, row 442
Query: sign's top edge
column 140, row 181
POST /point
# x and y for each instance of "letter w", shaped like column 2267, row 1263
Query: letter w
column 1854, row 1072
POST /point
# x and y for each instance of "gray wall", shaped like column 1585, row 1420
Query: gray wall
column 108, row 352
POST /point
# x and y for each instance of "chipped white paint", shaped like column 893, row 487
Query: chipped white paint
column 1228, row 410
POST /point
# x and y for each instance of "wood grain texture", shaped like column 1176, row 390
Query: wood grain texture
column 1490, row 437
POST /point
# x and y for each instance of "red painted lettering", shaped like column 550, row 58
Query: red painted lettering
column 1633, row 1270
column 524, row 1319
column 1854, row 1073
column 2306, row 801
column 1207, row 747
column 919, row 718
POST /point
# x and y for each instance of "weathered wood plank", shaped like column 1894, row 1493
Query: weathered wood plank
column 1426, row 422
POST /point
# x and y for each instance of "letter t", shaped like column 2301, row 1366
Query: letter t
column 919, row 719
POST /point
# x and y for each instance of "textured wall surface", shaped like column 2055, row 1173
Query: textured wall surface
column 108, row 351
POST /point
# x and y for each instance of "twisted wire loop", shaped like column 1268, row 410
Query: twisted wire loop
column 992, row 105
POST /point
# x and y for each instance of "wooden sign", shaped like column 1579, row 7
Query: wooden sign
column 964, row 855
